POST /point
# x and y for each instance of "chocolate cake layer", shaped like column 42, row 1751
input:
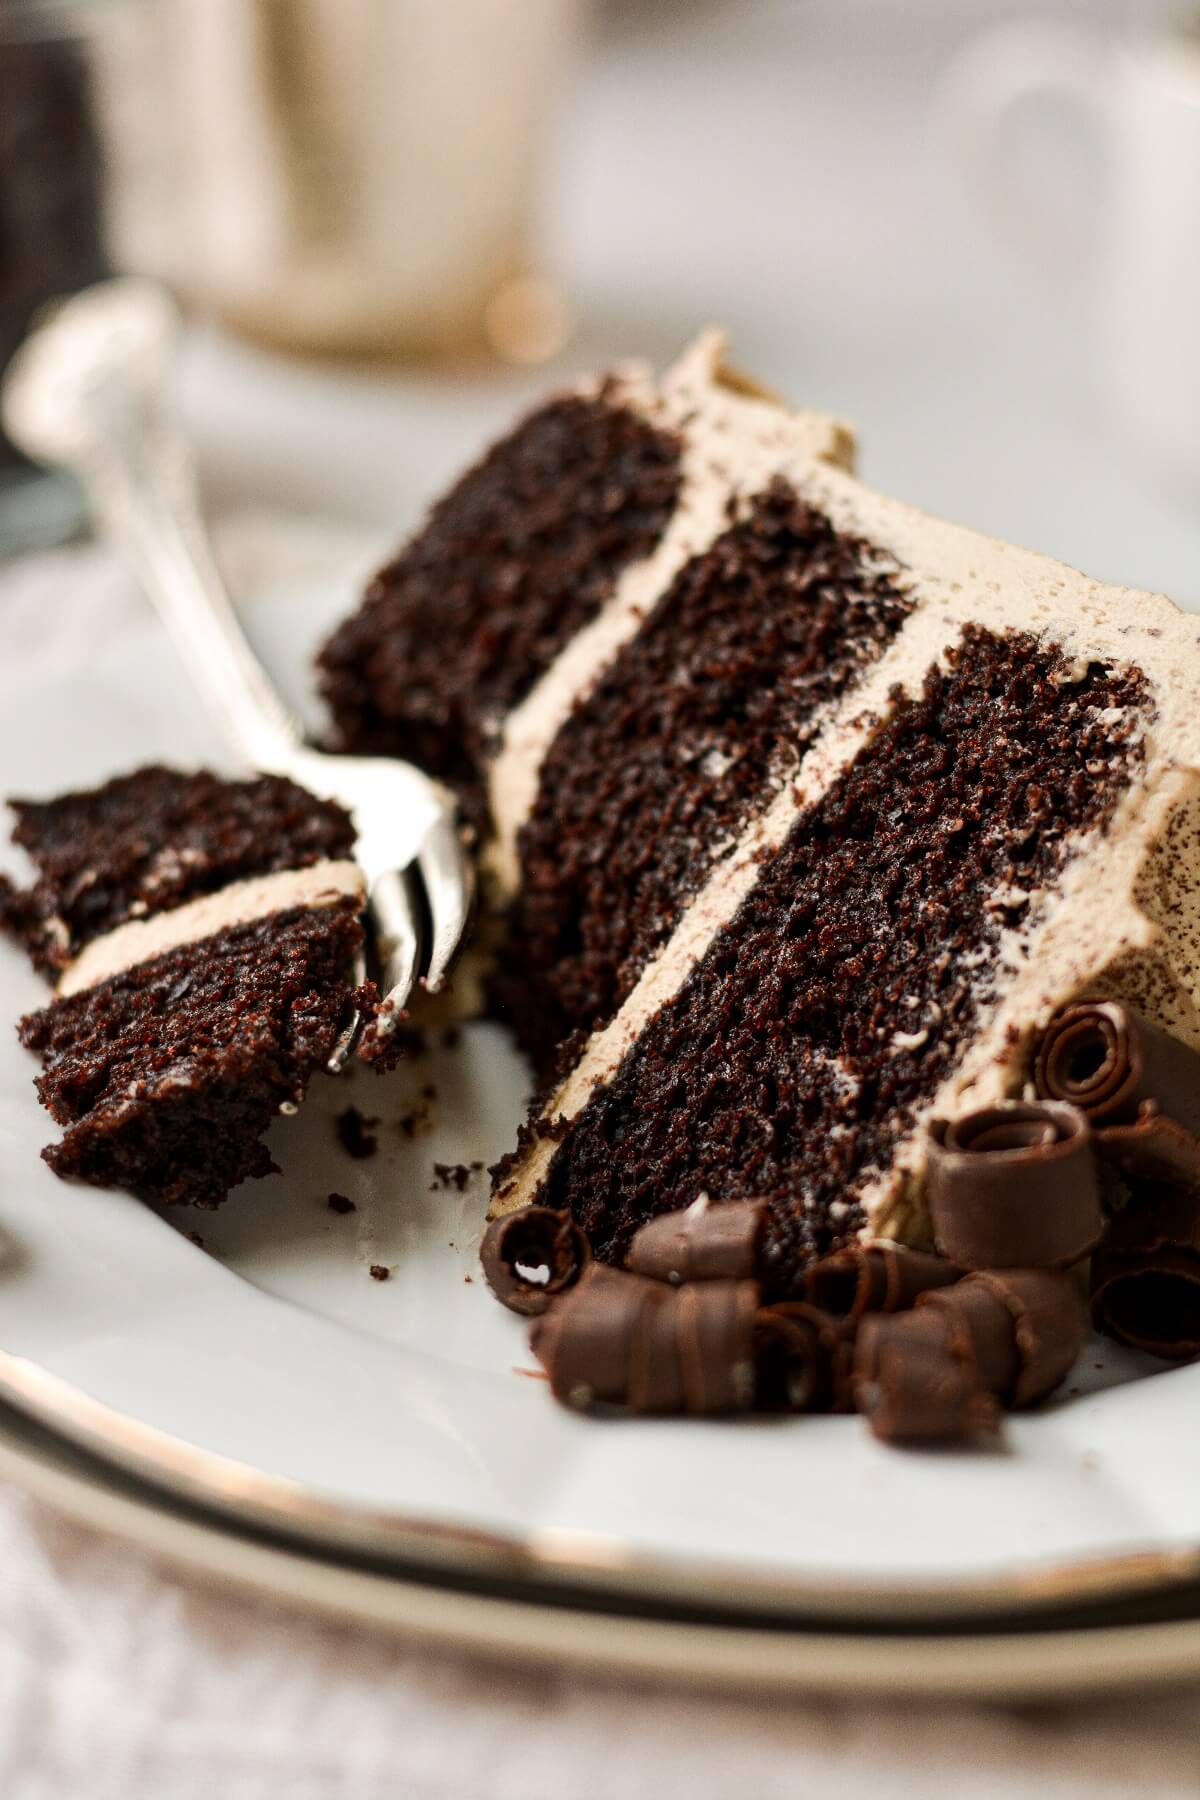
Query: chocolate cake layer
column 687, row 735
column 836, row 1002
column 167, row 1076
column 521, row 554
column 152, row 840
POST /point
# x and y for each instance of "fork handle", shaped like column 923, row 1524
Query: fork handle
column 138, row 470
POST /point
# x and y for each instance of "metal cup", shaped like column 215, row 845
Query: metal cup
column 345, row 176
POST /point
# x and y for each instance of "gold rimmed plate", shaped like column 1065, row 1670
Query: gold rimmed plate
column 265, row 1373
column 1094, row 1650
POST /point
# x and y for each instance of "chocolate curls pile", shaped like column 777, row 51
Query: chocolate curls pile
column 1139, row 1090
column 930, row 1348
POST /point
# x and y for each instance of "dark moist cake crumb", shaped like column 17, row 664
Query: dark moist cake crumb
column 844, row 990
column 380, row 1272
column 356, row 1134
column 673, row 751
column 341, row 1203
column 150, row 841
column 168, row 1076
column 454, row 1175
column 521, row 554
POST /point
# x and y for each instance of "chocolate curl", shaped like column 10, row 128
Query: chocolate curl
column 1049, row 1327
column 971, row 1311
column 1014, row 1187
column 913, row 1388
column 804, row 1358
column 533, row 1238
column 655, row 1383
column 1146, row 1280
column 1155, row 1149
column 1105, row 1058
column 626, row 1339
column 1167, row 1219
column 714, row 1332
column 880, row 1332
column 870, row 1278
column 1149, row 1299
column 593, row 1339
column 1018, row 1331
column 702, row 1243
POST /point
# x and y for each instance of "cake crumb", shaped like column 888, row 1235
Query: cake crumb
column 341, row 1203
column 418, row 1118
column 380, row 1272
column 356, row 1134
column 193, row 1237
column 453, row 1175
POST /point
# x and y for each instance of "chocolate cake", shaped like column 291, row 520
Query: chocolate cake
column 806, row 812
column 491, row 650
column 205, row 936
column 151, row 841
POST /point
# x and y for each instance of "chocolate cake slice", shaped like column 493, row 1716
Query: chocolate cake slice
column 205, row 935
column 803, row 812
column 978, row 799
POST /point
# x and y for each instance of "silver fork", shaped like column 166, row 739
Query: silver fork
column 87, row 391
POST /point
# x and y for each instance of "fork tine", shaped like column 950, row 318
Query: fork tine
column 398, row 929
column 417, row 917
column 448, row 877
column 351, row 1031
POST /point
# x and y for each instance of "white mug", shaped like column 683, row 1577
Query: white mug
column 1139, row 285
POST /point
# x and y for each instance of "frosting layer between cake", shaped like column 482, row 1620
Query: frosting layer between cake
column 318, row 885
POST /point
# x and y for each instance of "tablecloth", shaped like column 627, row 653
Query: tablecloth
column 118, row 1681
column 121, row 1680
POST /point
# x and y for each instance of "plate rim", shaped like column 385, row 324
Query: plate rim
column 1009, row 1666
column 238, row 1492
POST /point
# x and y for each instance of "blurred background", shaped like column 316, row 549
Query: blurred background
column 395, row 222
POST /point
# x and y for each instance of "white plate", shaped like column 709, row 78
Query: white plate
column 1011, row 1664
column 269, row 1374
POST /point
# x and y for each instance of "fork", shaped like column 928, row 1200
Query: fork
column 87, row 391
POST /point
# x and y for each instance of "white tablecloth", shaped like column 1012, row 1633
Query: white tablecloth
column 118, row 1681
